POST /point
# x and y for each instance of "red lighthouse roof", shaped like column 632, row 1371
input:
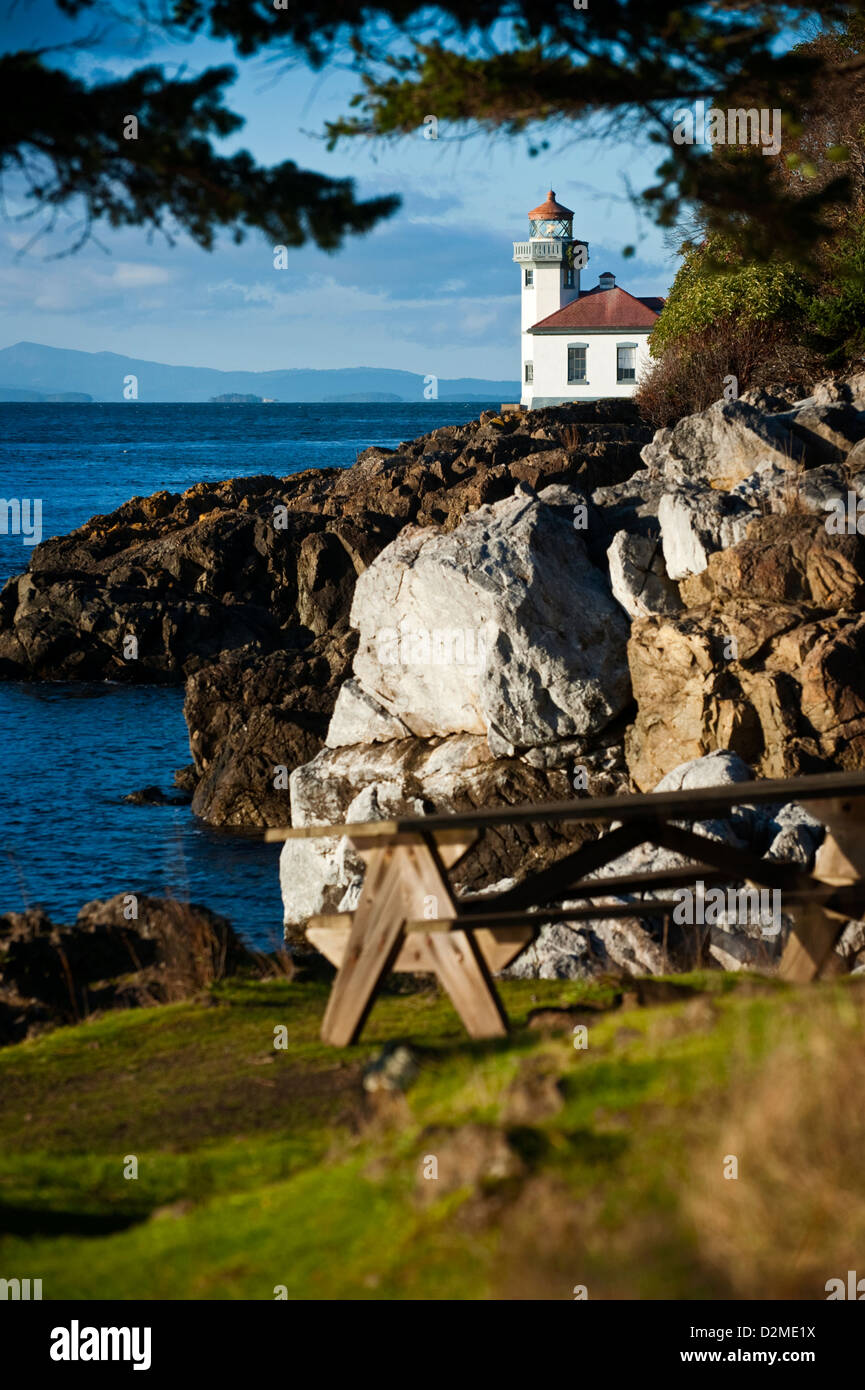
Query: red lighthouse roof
column 551, row 209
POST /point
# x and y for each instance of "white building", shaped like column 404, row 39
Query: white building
column 576, row 344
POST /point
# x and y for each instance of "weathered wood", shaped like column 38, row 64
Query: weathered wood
column 845, row 819
column 373, row 945
column 688, row 804
column 810, row 943
column 556, row 880
column 408, row 918
column 451, row 844
column 330, row 936
column 735, row 863
column 464, row 973
column 502, row 945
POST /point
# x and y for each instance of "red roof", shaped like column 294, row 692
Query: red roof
column 598, row 308
column 551, row 208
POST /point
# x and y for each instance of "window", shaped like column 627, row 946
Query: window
column 576, row 362
column 530, row 277
column 530, row 371
column 568, row 273
column 626, row 362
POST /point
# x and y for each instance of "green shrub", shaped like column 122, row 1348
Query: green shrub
column 715, row 286
column 837, row 313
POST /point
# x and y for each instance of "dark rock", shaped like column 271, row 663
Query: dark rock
column 259, row 564
column 122, row 953
column 155, row 796
column 253, row 720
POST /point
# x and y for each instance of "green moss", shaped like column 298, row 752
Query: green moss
column 274, row 1173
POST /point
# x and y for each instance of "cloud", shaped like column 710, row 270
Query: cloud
column 132, row 275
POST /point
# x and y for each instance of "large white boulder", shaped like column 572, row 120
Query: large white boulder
column 501, row 627
column 722, row 445
column 638, row 577
column 405, row 777
column 695, row 522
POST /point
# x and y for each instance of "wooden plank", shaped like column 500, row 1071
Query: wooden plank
column 555, row 882
column 373, row 944
column 734, row 862
column 688, row 804
column 458, row 959
column 845, row 843
column 451, row 845
column 330, row 936
column 466, row 977
column 810, row 943
column 500, row 945
column 482, row 921
column 359, row 830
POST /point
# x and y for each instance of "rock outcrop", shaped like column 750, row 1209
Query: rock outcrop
column 508, row 611
column 109, row 959
column 501, row 627
column 258, row 563
column 767, row 658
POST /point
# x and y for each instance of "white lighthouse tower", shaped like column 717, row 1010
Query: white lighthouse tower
column 550, row 263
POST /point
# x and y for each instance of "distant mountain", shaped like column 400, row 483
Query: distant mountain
column 10, row 393
column 365, row 398
column 105, row 377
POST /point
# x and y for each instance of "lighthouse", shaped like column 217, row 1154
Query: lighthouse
column 575, row 343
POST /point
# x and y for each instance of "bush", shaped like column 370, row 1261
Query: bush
column 837, row 313
column 716, row 289
column 691, row 373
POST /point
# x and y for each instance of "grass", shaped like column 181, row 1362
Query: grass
column 262, row 1169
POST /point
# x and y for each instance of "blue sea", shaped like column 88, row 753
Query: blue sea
column 70, row 753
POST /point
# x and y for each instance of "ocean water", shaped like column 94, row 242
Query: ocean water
column 70, row 753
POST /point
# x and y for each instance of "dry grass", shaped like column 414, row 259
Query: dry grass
column 690, row 375
column 571, row 440
column 198, row 950
column 795, row 1216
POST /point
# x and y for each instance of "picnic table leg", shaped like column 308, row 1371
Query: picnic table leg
column 840, row 860
column 810, row 943
column 373, row 944
column 458, row 959
column 463, row 972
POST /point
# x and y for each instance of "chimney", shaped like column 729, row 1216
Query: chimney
column 607, row 281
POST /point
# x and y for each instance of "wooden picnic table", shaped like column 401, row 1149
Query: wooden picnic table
column 409, row 919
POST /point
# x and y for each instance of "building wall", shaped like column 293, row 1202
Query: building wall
column 549, row 354
column 547, row 294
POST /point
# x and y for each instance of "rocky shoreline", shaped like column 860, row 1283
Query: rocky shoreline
column 521, row 608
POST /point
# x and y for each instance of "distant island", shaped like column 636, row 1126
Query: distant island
column 35, row 371
column 13, row 393
column 240, row 398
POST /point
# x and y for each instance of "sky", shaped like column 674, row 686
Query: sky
column 432, row 290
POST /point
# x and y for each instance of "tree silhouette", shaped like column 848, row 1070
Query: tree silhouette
column 507, row 66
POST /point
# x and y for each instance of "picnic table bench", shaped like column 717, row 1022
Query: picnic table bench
column 409, row 919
